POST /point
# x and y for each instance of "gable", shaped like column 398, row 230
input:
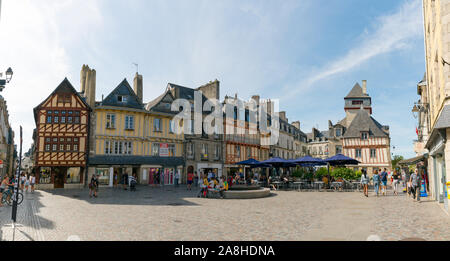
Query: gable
column 163, row 103
column 123, row 96
column 364, row 123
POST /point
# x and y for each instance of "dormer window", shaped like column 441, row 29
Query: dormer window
column 364, row 135
column 338, row 132
column 121, row 98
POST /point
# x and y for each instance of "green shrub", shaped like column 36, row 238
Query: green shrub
column 320, row 173
column 347, row 174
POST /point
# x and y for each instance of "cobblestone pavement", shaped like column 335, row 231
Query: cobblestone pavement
column 177, row 214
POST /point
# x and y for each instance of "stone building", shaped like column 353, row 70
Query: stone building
column 436, row 15
column 318, row 143
column 6, row 141
column 284, row 148
column 203, row 153
column 300, row 141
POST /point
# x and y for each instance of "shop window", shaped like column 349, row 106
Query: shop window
column 45, row 176
column 103, row 175
column 73, row 176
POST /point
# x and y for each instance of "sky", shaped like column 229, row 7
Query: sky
column 306, row 53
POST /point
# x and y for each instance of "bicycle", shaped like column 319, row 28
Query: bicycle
column 8, row 197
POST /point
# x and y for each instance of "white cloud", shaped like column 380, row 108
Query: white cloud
column 34, row 42
column 391, row 33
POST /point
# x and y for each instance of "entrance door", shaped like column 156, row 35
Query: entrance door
column 59, row 178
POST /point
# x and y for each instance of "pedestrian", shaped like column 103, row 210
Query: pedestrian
column 32, row 182
column 93, row 186
column 116, row 179
column 196, row 178
column 190, row 179
column 384, row 179
column 395, row 181
column 408, row 182
column 27, row 183
column 177, row 178
column 365, row 182
column 125, row 181
column 376, row 182
column 210, row 176
column 3, row 186
column 22, row 181
column 416, row 181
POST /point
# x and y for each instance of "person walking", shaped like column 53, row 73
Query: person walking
column 177, row 179
column 196, row 178
column 93, row 186
column 125, row 181
column 365, row 182
column 395, row 181
column 22, row 181
column 190, row 179
column 384, row 179
column 376, row 182
column 416, row 181
column 27, row 183
column 32, row 182
column 3, row 185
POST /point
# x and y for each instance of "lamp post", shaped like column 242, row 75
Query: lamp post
column 8, row 76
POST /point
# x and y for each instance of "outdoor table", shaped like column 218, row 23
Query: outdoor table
column 298, row 184
column 277, row 184
column 337, row 184
column 319, row 184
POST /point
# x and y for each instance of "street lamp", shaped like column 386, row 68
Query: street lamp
column 419, row 107
column 8, row 74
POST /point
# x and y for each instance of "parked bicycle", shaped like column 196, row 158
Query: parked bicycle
column 8, row 196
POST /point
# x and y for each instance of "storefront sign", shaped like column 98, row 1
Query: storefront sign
column 164, row 149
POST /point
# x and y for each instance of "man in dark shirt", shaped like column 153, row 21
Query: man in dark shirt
column 384, row 181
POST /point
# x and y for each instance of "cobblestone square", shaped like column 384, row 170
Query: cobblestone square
column 171, row 213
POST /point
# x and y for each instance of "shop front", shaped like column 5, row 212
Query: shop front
column 59, row 177
column 206, row 168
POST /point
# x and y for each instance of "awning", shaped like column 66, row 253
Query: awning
column 413, row 161
column 135, row 160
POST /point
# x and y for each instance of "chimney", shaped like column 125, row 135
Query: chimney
column 282, row 115
column 211, row 90
column 296, row 124
column 138, row 86
column 83, row 78
column 91, row 93
column 256, row 98
column 364, row 87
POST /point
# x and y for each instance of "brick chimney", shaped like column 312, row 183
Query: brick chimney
column 211, row 90
column 282, row 115
column 296, row 124
column 138, row 86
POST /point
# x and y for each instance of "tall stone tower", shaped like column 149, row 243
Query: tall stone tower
column 357, row 99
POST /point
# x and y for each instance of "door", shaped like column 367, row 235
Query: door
column 60, row 175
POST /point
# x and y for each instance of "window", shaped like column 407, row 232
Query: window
column 75, row 147
column 358, row 153
column 54, row 147
column 157, row 125
column 108, row 149
column 110, row 121
column 238, row 151
column 47, row 147
column 68, row 147
column 49, row 119
column 204, row 151
column 172, row 150
column 61, row 147
column 77, row 117
column 121, row 98
column 338, row 132
column 373, row 153
column 338, row 149
column 171, row 125
column 63, row 119
column 364, row 135
column 190, row 150
column 69, row 120
column 129, row 122
column 56, row 119
column 155, row 149
column 357, row 102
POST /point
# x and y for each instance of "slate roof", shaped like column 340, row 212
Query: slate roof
column 444, row 119
column 64, row 86
column 135, row 160
column 364, row 122
column 125, row 89
column 356, row 92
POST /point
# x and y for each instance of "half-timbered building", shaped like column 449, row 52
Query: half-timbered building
column 61, row 138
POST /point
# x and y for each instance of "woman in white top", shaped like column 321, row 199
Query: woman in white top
column 32, row 182
column 22, row 181
column 27, row 183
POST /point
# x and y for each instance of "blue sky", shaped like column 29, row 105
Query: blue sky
column 307, row 53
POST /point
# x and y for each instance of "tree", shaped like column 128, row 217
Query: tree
column 395, row 160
